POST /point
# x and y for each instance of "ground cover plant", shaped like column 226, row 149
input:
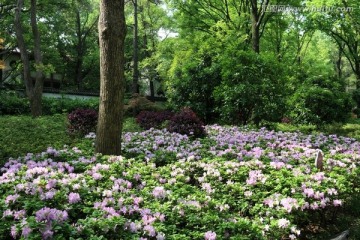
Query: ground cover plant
column 236, row 183
column 22, row 134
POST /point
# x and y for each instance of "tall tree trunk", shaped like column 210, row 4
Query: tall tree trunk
column 255, row 28
column 33, row 91
column 338, row 64
column 112, row 31
column 357, row 74
column 79, row 52
column 35, row 100
column 135, row 83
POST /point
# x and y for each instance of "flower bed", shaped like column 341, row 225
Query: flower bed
column 234, row 184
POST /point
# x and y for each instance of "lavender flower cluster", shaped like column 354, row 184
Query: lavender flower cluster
column 250, row 180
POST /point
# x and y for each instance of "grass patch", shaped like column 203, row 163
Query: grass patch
column 22, row 134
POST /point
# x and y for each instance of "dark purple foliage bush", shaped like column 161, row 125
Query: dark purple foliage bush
column 186, row 122
column 82, row 121
column 153, row 119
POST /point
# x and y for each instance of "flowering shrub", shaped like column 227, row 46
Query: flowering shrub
column 186, row 122
column 82, row 121
column 234, row 184
column 153, row 119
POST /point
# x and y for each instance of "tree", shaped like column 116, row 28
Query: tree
column 112, row 31
column 33, row 91
column 342, row 24
column 135, row 83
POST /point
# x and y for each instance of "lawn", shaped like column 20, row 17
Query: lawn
column 236, row 183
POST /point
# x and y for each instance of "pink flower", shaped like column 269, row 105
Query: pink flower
column 13, row 231
column 209, row 235
column 337, row 202
column 283, row 223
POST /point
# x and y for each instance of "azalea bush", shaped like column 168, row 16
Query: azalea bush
column 236, row 183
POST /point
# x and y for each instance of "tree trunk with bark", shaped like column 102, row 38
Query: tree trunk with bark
column 135, row 83
column 112, row 31
column 257, row 17
column 33, row 91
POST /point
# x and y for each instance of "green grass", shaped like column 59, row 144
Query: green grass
column 350, row 129
column 23, row 134
column 20, row 135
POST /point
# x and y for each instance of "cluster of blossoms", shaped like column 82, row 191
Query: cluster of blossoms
column 248, row 180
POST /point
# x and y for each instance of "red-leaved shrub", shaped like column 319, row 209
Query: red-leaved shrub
column 153, row 119
column 82, row 121
column 186, row 122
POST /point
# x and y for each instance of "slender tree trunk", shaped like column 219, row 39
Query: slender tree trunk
column 112, row 32
column 255, row 27
column 338, row 65
column 19, row 32
column 79, row 52
column 357, row 73
column 135, row 84
column 35, row 100
column 33, row 91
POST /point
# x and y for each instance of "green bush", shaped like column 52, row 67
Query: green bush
column 11, row 103
column 319, row 101
column 252, row 89
column 138, row 104
column 191, row 84
column 67, row 105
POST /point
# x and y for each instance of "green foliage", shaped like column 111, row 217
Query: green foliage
column 22, row 134
column 320, row 100
column 252, row 89
column 12, row 104
column 139, row 103
column 67, row 105
column 193, row 79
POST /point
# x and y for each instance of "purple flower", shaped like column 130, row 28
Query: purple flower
column 26, row 231
column 159, row 192
column 150, row 230
column 11, row 198
column 13, row 231
column 74, row 197
column 19, row 214
column 97, row 176
column 51, row 214
column 209, row 235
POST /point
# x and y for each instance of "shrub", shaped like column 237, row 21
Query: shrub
column 319, row 104
column 138, row 104
column 186, row 122
column 192, row 81
column 253, row 89
column 67, row 105
column 11, row 103
column 152, row 119
column 82, row 121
